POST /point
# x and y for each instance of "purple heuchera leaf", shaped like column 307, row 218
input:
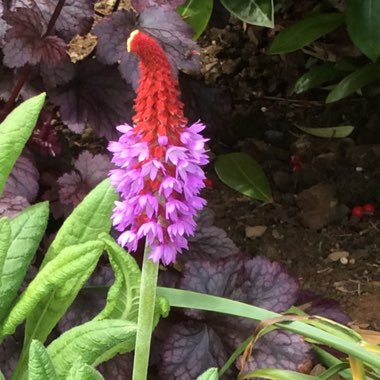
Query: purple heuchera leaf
column 175, row 36
column 118, row 368
column 3, row 25
column 90, row 170
column 11, row 205
column 63, row 72
column 189, row 349
column 280, row 349
column 25, row 42
column 96, row 95
column 209, row 241
column 9, row 355
column 23, row 180
column 142, row 5
column 75, row 18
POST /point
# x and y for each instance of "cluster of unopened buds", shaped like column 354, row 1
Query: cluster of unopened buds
column 360, row 211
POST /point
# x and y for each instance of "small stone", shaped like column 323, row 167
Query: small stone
column 277, row 235
column 254, row 232
column 343, row 260
column 338, row 255
column 352, row 261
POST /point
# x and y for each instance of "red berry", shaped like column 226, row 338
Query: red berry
column 296, row 167
column 368, row 209
column 295, row 160
column 209, row 183
column 357, row 211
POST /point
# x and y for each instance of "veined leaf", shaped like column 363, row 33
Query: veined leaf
column 255, row 12
column 279, row 374
column 5, row 240
column 241, row 172
column 94, row 342
column 210, row 374
column 82, row 371
column 2, row 376
column 90, row 218
column 40, row 366
column 27, row 230
column 304, row 32
column 123, row 295
column 331, row 132
column 354, row 82
column 73, row 263
column 362, row 19
column 15, row 131
column 197, row 14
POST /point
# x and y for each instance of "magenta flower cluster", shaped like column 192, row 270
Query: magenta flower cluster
column 159, row 184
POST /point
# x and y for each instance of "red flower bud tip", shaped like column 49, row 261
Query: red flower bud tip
column 296, row 168
column 368, row 209
column 296, row 160
column 357, row 212
column 209, row 183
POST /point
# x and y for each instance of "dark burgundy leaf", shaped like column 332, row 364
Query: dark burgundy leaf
column 281, row 349
column 112, row 32
column 9, row 354
column 96, row 95
column 23, row 180
column 175, row 36
column 118, row 368
column 128, row 68
column 209, row 242
column 142, row 5
column 3, row 25
column 324, row 307
column 25, row 42
column 75, row 18
column 190, row 349
column 11, row 205
column 62, row 72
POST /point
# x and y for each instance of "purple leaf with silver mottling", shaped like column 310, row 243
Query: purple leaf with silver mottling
column 118, row 368
column 11, row 205
column 25, row 42
column 23, row 180
column 190, row 348
column 76, row 16
column 174, row 35
column 96, row 95
column 142, row 5
column 63, row 72
column 280, row 349
column 9, row 354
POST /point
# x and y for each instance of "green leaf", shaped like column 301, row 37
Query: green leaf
column 123, row 295
column 94, row 342
column 362, row 19
column 317, row 76
column 58, row 281
column 210, row 374
column 255, row 12
column 353, row 82
column 278, row 374
column 328, row 133
column 15, row 131
column 2, row 376
column 241, row 172
column 89, row 219
column 197, row 14
column 5, row 240
column 40, row 366
column 304, row 32
column 27, row 231
column 82, row 371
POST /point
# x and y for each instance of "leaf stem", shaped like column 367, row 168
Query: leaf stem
column 145, row 317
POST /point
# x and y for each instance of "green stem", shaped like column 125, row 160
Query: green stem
column 145, row 317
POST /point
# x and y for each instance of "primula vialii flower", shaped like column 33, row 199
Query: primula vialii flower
column 158, row 176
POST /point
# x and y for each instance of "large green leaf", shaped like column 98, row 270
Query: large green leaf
column 353, row 82
column 89, row 219
column 241, row 172
column 304, row 32
column 255, row 12
column 2, row 376
column 363, row 20
column 210, row 374
column 82, row 371
column 197, row 14
column 123, row 295
column 53, row 281
column 40, row 366
column 94, row 342
column 27, row 230
column 15, row 131
column 5, row 240
column 316, row 76
column 278, row 374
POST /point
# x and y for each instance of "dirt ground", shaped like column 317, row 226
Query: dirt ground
column 309, row 225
